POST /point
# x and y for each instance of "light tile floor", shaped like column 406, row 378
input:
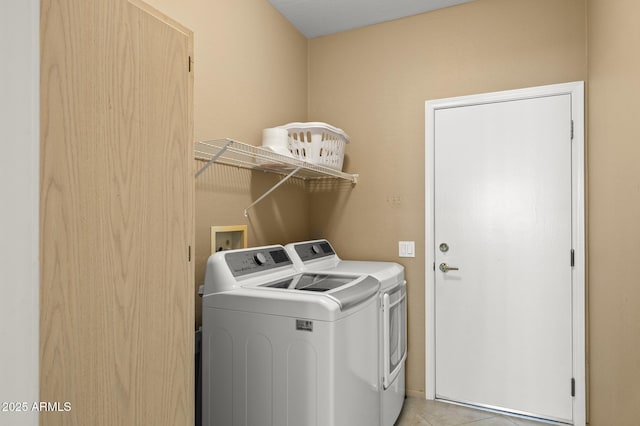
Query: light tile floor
column 421, row 412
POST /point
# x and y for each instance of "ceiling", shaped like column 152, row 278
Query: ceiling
column 315, row 18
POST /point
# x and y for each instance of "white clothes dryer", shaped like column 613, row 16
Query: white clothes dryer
column 282, row 347
column 319, row 256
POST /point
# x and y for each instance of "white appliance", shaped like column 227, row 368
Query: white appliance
column 319, row 256
column 282, row 347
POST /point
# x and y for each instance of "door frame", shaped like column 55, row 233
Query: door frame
column 576, row 90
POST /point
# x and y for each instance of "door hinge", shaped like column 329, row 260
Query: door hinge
column 573, row 258
column 434, row 266
column 190, row 71
column 571, row 129
column 573, row 387
column 189, row 254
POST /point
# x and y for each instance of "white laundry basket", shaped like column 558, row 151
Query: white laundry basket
column 317, row 143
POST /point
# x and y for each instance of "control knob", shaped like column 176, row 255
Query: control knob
column 259, row 258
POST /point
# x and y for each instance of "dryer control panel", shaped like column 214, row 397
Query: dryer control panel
column 314, row 250
column 258, row 260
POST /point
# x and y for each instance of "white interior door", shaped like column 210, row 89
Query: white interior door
column 503, row 208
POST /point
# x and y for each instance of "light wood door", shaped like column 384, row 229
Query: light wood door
column 117, row 300
column 503, row 318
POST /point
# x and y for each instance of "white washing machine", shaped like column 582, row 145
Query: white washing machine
column 319, row 256
column 282, row 347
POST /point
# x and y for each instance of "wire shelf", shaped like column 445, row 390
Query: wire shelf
column 238, row 154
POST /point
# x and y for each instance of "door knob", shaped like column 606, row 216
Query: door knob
column 446, row 268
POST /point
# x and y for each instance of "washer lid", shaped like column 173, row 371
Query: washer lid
column 311, row 282
column 346, row 290
column 330, row 305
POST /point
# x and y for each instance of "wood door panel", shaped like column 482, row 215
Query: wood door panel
column 116, row 215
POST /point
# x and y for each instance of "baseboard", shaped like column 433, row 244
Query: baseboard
column 415, row 394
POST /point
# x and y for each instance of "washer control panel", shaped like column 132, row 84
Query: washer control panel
column 258, row 260
column 314, row 250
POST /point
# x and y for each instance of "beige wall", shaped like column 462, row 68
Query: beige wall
column 373, row 83
column 250, row 73
column 614, row 211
